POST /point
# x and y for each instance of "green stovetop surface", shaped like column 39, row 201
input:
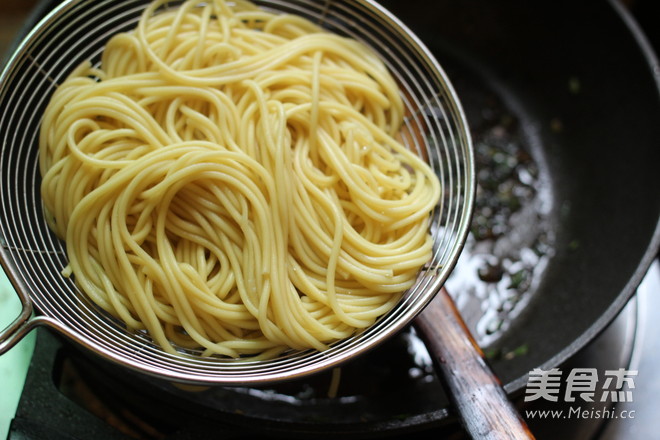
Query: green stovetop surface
column 14, row 363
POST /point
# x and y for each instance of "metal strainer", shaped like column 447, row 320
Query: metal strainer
column 33, row 257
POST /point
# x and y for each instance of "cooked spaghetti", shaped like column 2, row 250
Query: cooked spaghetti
column 230, row 181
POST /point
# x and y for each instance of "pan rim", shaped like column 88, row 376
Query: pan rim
column 652, row 252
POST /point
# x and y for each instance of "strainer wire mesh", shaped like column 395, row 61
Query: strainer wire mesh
column 77, row 31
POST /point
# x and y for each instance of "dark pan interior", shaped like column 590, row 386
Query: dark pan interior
column 587, row 95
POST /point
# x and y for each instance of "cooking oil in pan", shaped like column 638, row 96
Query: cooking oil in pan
column 510, row 240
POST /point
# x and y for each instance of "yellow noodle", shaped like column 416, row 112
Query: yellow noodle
column 230, row 180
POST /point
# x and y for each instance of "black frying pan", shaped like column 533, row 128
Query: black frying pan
column 579, row 83
column 599, row 142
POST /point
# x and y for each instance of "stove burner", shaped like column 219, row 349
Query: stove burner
column 77, row 396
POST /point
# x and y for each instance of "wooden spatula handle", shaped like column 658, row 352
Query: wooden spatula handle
column 477, row 393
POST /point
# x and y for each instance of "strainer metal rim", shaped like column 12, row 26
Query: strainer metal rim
column 177, row 368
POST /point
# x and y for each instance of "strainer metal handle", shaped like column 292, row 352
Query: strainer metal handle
column 19, row 327
column 27, row 320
